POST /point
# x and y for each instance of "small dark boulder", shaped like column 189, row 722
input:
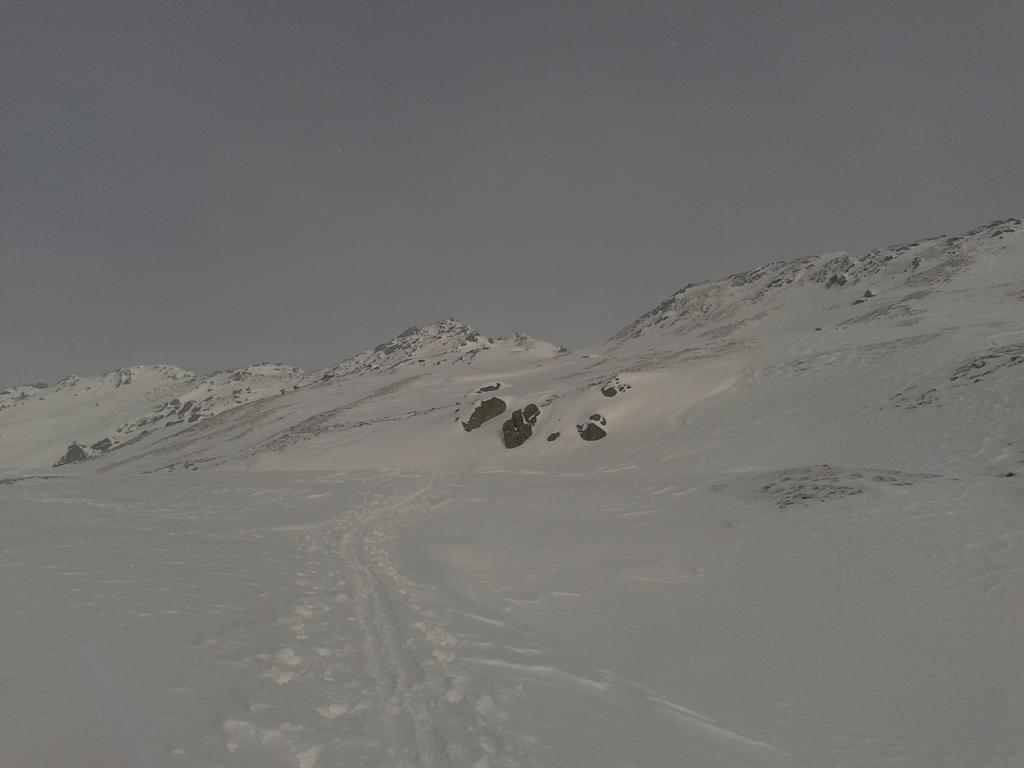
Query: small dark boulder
column 868, row 294
column 591, row 431
column 74, row 454
column 554, row 436
column 516, row 430
column 530, row 413
column 609, row 391
column 484, row 412
column 490, row 388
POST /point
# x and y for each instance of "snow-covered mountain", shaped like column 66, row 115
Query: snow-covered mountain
column 775, row 521
column 402, row 404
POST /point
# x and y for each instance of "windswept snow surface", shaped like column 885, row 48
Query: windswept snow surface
column 800, row 544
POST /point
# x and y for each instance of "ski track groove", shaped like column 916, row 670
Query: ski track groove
column 423, row 729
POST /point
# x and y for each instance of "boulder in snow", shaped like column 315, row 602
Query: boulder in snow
column 484, row 412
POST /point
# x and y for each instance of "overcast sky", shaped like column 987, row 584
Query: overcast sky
column 216, row 183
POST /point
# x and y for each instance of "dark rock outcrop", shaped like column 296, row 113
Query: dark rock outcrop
column 591, row 431
column 613, row 387
column 102, row 445
column 484, row 412
column 74, row 454
column 836, row 281
column 530, row 413
column 490, row 388
column 516, row 430
column 554, row 436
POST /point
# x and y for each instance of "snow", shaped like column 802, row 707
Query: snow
column 794, row 548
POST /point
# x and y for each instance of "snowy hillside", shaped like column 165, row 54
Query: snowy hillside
column 776, row 521
column 38, row 423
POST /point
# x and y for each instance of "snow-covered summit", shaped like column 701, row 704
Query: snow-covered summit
column 443, row 342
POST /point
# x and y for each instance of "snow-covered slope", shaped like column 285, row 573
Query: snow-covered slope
column 841, row 290
column 161, row 410
column 774, row 522
column 39, row 423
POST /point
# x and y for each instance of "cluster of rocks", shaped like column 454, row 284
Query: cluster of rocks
column 77, row 452
column 519, row 427
column 613, row 387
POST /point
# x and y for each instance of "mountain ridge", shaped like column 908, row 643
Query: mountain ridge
column 707, row 338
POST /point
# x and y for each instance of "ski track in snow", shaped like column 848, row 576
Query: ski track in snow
column 307, row 643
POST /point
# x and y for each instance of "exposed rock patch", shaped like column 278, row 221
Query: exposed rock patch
column 807, row 485
column 591, row 431
column 74, row 454
column 487, row 410
column 613, row 387
column 530, row 413
column 996, row 359
column 914, row 397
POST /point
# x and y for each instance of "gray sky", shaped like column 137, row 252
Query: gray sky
column 216, row 183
